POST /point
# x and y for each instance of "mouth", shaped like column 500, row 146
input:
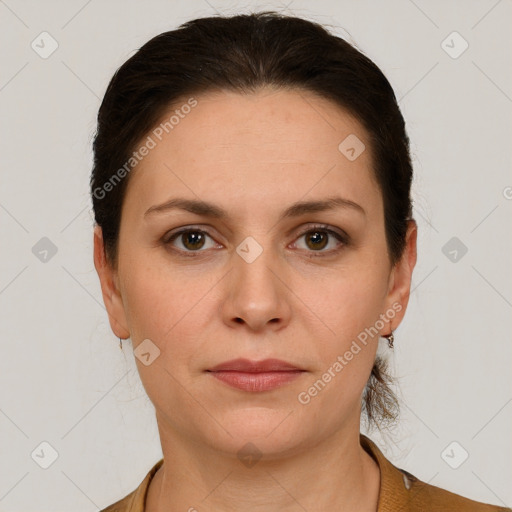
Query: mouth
column 256, row 376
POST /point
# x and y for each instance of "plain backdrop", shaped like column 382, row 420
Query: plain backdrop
column 63, row 380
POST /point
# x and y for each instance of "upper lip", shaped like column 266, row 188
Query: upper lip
column 248, row 366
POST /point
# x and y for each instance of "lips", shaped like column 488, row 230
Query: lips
column 247, row 366
column 255, row 376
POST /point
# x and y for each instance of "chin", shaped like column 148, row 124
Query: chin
column 273, row 432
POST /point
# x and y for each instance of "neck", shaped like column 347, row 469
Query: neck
column 337, row 474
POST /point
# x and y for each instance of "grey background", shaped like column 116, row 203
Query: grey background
column 63, row 379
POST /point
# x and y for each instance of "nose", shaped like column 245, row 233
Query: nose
column 257, row 295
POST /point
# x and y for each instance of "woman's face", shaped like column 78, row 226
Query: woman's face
column 261, row 275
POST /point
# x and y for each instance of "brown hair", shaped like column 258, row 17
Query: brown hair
column 243, row 53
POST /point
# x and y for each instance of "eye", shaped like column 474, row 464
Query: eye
column 319, row 237
column 191, row 239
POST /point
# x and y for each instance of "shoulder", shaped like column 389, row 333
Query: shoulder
column 425, row 497
column 123, row 505
column 400, row 491
column 135, row 501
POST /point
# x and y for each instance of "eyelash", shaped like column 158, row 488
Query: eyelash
column 343, row 238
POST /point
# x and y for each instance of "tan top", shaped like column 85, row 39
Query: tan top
column 399, row 491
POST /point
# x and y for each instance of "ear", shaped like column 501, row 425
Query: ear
column 400, row 278
column 109, row 288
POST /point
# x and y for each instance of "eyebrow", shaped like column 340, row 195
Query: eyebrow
column 207, row 209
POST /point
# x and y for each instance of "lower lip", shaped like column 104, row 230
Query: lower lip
column 256, row 381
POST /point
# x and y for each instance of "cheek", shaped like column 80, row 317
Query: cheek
column 164, row 308
column 351, row 301
column 350, row 307
column 169, row 306
column 153, row 301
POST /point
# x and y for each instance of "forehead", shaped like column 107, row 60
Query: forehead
column 271, row 121
column 272, row 145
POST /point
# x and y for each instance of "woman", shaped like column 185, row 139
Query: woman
column 254, row 239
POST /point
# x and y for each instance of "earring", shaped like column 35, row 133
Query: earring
column 390, row 338
column 120, row 344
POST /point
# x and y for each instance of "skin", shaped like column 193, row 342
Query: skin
column 301, row 300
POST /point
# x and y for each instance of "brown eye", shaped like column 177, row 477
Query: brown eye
column 316, row 239
column 319, row 237
column 192, row 240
